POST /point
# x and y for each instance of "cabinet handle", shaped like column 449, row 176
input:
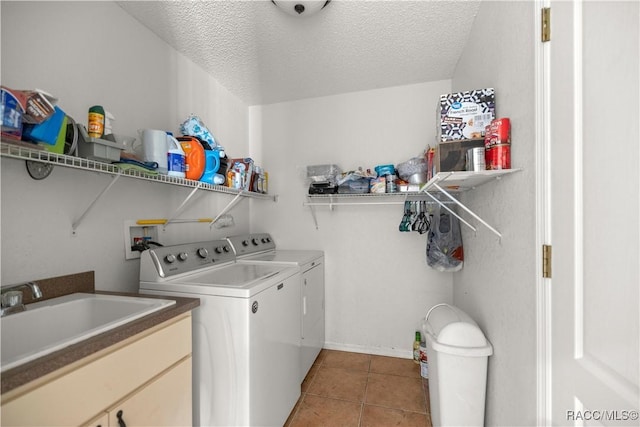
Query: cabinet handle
column 121, row 422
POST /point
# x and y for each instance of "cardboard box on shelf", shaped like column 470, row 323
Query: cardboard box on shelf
column 465, row 115
column 37, row 105
column 451, row 156
column 10, row 115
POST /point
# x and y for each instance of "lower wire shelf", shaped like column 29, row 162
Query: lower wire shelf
column 439, row 190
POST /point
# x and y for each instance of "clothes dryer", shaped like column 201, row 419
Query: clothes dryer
column 260, row 248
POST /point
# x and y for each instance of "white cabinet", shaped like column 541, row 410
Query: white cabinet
column 312, row 313
column 166, row 401
column 147, row 377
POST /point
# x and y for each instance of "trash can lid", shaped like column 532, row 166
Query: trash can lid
column 450, row 330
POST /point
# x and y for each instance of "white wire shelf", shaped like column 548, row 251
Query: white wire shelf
column 439, row 190
column 22, row 152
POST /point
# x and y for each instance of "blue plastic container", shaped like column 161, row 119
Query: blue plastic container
column 211, row 165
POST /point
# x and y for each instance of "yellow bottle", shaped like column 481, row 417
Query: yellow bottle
column 96, row 121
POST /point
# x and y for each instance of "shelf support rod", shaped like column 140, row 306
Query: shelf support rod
column 469, row 211
column 313, row 215
column 227, row 208
column 77, row 222
column 182, row 205
column 441, row 203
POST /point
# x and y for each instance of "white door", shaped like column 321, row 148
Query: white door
column 594, row 203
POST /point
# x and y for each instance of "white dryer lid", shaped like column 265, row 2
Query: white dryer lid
column 294, row 257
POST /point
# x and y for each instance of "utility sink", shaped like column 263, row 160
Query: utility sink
column 57, row 323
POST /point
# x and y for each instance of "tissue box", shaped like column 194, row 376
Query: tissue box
column 465, row 115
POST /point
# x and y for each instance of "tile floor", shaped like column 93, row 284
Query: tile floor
column 354, row 389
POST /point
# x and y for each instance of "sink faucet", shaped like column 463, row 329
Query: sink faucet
column 11, row 301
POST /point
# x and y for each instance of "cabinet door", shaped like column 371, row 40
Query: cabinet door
column 165, row 401
column 312, row 315
column 101, row 420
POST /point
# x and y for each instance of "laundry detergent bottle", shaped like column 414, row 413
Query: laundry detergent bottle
column 175, row 157
column 194, row 157
column 211, row 166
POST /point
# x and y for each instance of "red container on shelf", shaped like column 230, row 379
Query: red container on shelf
column 497, row 144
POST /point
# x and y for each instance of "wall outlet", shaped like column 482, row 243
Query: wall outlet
column 133, row 233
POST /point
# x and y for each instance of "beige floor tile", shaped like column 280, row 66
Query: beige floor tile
column 346, row 360
column 395, row 366
column 393, row 391
column 339, row 384
column 377, row 416
column 323, row 411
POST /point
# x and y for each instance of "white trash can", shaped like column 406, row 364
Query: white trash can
column 458, row 353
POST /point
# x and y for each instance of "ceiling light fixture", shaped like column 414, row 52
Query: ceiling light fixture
column 302, row 8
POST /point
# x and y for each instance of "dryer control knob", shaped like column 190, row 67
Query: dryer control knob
column 202, row 253
column 219, row 249
column 255, row 241
column 245, row 243
column 265, row 240
column 226, row 248
column 182, row 256
column 170, row 258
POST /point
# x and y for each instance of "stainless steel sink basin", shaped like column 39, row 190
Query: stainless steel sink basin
column 54, row 324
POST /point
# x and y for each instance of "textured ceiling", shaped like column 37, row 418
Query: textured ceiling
column 263, row 56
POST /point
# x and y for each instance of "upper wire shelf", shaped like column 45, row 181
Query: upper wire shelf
column 27, row 153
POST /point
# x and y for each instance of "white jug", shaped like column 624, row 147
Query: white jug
column 154, row 148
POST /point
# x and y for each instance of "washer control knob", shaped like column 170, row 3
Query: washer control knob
column 226, row 248
column 265, row 240
column 182, row 256
column 202, row 252
column 245, row 243
column 219, row 249
column 255, row 241
column 170, row 258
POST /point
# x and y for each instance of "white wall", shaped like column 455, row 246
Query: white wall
column 378, row 285
column 89, row 53
column 497, row 285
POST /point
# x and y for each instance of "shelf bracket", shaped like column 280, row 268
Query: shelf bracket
column 469, row 211
column 182, row 205
column 227, row 208
column 76, row 223
column 439, row 202
column 313, row 215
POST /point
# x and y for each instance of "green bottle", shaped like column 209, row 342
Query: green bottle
column 416, row 348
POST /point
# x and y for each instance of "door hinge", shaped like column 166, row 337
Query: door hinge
column 545, row 18
column 546, row 261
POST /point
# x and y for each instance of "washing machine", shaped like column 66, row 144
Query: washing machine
column 260, row 248
column 246, row 333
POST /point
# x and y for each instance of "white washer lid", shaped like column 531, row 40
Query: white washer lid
column 235, row 280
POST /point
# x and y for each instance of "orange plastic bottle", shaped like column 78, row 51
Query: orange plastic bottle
column 194, row 157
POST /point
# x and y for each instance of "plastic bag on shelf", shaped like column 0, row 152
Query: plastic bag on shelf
column 193, row 126
column 445, row 252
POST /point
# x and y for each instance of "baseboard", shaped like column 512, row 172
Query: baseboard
column 390, row 352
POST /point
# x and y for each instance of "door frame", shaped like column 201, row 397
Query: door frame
column 543, row 219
